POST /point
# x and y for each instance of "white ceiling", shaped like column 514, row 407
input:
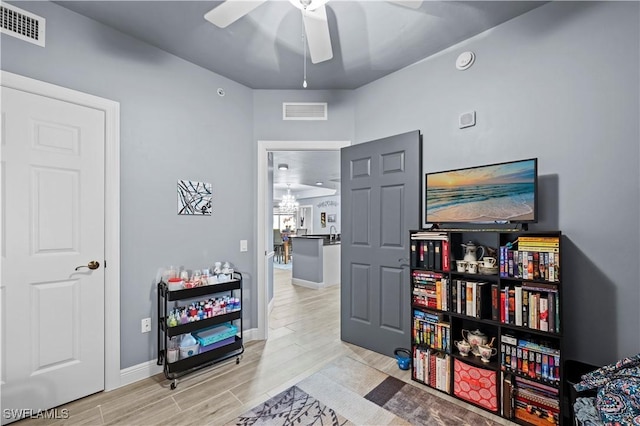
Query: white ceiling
column 305, row 169
column 263, row 50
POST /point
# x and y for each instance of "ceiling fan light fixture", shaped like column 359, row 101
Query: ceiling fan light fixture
column 308, row 4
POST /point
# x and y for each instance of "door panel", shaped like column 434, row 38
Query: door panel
column 360, row 292
column 392, row 221
column 54, row 207
column 360, row 228
column 392, row 162
column 55, row 137
column 391, row 281
column 360, row 167
column 380, row 204
column 52, row 346
column 53, row 222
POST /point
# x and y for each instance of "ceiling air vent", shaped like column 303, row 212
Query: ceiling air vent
column 304, row 110
column 22, row 24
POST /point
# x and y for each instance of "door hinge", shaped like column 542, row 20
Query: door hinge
column 105, row 264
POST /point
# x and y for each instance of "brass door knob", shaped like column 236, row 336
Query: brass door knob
column 92, row 265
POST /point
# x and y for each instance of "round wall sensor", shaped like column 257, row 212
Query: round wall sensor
column 465, row 60
column 221, row 92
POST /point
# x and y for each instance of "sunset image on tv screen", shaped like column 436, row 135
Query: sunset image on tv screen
column 495, row 193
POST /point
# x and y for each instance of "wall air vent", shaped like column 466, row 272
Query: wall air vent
column 22, row 24
column 304, row 110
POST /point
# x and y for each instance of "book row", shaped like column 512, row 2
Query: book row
column 533, row 305
column 430, row 331
column 530, row 264
column 529, row 358
column 529, row 401
column 432, row 368
column 430, row 290
column 472, row 298
column 430, row 251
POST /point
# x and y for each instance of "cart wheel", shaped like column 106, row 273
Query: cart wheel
column 173, row 385
column 238, row 360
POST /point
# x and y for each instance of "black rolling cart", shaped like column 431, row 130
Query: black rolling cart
column 231, row 347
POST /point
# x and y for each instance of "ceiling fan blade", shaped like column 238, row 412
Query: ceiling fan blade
column 413, row 4
column 230, row 11
column 316, row 27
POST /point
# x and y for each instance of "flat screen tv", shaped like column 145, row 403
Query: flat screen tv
column 493, row 193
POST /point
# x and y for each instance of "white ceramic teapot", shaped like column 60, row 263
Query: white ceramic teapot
column 475, row 338
column 471, row 252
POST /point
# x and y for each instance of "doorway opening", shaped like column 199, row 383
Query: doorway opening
column 264, row 251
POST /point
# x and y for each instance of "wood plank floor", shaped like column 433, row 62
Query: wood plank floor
column 304, row 336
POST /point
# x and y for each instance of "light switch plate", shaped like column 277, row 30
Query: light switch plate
column 243, row 245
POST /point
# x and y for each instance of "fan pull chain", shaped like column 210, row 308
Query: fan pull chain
column 304, row 45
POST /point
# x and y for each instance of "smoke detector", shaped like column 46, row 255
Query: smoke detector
column 465, row 60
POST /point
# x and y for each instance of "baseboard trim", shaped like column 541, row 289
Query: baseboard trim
column 307, row 284
column 139, row 372
column 250, row 335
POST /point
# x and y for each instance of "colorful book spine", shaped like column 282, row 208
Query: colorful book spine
column 495, row 302
column 446, row 262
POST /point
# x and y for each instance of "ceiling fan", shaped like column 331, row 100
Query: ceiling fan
column 314, row 15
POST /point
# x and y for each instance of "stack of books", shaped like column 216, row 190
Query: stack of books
column 429, row 330
column 536, row 403
column 430, row 290
column 531, row 359
column 536, row 258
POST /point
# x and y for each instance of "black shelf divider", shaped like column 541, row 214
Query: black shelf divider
column 202, row 324
column 190, row 293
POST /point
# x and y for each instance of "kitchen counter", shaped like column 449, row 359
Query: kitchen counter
column 316, row 261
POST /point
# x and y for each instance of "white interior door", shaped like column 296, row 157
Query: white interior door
column 52, row 222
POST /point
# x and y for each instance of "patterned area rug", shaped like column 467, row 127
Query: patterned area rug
column 293, row 406
column 419, row 407
column 392, row 399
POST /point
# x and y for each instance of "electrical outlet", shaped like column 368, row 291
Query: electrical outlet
column 146, row 325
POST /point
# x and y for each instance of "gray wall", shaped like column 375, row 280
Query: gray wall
column 560, row 83
column 320, row 205
column 173, row 126
column 268, row 123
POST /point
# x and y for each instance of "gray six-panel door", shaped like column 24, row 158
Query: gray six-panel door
column 380, row 184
